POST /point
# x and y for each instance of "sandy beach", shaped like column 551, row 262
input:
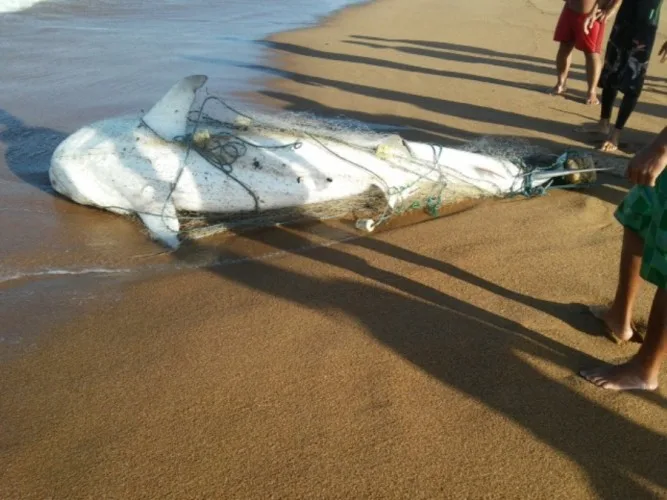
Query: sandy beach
column 436, row 359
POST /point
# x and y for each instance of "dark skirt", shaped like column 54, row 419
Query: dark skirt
column 630, row 46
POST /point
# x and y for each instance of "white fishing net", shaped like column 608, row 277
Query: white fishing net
column 220, row 134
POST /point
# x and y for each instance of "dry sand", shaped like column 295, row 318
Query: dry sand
column 436, row 360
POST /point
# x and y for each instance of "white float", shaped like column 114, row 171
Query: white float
column 166, row 163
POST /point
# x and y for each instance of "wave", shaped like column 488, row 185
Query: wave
column 16, row 5
column 61, row 272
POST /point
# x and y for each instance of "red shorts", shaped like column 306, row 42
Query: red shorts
column 570, row 28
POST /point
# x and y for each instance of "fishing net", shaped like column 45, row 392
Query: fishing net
column 223, row 136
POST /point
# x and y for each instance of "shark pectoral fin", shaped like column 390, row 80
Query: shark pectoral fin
column 163, row 225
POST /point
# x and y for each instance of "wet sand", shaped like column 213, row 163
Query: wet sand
column 433, row 360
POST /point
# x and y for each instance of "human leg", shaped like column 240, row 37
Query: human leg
column 565, row 35
column 563, row 62
column 593, row 69
column 608, row 98
column 642, row 371
column 627, row 107
column 602, row 127
column 590, row 43
column 618, row 317
column 643, row 213
column 628, row 104
column 635, row 213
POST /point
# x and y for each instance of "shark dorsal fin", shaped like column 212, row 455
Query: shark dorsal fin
column 168, row 118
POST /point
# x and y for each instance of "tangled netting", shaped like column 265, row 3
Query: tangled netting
column 222, row 140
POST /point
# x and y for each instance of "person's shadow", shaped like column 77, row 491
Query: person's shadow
column 472, row 350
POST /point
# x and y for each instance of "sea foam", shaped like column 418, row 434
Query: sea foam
column 16, row 5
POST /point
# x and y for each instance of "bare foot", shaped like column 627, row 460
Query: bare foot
column 608, row 146
column 599, row 128
column 628, row 376
column 615, row 328
column 558, row 90
column 611, row 144
column 592, row 99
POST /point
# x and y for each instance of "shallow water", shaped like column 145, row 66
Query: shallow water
column 68, row 63
column 62, row 59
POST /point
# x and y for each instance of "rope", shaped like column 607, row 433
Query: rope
column 224, row 150
column 529, row 191
column 390, row 211
column 224, row 153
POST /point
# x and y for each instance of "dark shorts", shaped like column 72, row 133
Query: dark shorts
column 570, row 29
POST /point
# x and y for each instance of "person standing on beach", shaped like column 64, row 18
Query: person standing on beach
column 626, row 60
column 643, row 214
column 577, row 29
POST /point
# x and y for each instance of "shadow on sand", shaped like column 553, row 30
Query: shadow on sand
column 29, row 150
column 472, row 350
column 476, row 55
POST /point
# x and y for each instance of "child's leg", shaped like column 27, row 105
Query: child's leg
column 565, row 35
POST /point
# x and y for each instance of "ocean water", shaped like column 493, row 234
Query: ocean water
column 118, row 53
column 66, row 63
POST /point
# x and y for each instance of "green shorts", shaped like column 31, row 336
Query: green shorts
column 644, row 210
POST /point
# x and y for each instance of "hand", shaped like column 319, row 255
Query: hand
column 590, row 21
column 597, row 15
column 647, row 165
column 663, row 52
